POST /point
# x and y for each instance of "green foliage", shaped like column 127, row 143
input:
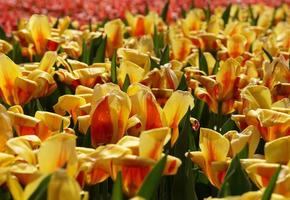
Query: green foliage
column 126, row 83
column 41, row 192
column 202, row 62
column 269, row 56
column 165, row 56
column 114, row 68
column 271, row 186
column 182, row 84
column 165, row 11
column 153, row 179
column 117, row 193
column 231, row 186
column 226, row 14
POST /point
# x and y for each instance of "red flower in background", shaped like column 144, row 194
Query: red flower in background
column 85, row 10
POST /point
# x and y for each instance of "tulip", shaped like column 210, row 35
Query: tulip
column 277, row 151
column 109, row 118
column 6, row 130
column 5, row 47
column 219, row 90
column 175, row 108
column 58, row 151
column 214, row 149
column 114, row 30
column 14, row 89
column 40, row 31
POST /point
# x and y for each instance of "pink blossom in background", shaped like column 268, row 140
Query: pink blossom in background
column 85, row 10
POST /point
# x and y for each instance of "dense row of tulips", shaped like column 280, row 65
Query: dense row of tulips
column 146, row 109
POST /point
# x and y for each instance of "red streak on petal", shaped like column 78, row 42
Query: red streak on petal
column 153, row 116
column 102, row 125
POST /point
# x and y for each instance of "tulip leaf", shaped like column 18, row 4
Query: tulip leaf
column 100, row 54
column 271, row 186
column 165, row 11
column 117, row 193
column 182, row 84
column 2, row 34
column 269, row 56
column 254, row 20
column 202, row 62
column 153, row 179
column 228, row 126
column 153, row 64
column 5, row 195
column 192, row 6
column 183, row 182
column 183, row 12
column 207, row 12
column 198, row 109
column 126, row 83
column 95, row 43
column 231, row 186
column 38, row 105
column 158, row 41
column 226, row 14
column 165, row 56
column 41, row 192
column 85, row 53
column 114, row 68
column 61, row 127
column 244, row 153
column 216, row 67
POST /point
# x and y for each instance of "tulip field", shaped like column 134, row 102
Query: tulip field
column 165, row 101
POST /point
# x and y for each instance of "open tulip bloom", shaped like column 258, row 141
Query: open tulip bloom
column 159, row 105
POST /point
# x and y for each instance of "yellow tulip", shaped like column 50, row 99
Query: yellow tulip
column 5, row 47
column 58, row 151
column 175, row 108
column 109, row 118
column 249, row 136
column 236, row 45
column 214, row 149
column 114, row 30
column 6, row 130
column 278, row 151
column 62, row 185
column 271, row 124
column 40, row 31
column 14, row 89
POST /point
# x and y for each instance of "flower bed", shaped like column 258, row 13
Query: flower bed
column 185, row 104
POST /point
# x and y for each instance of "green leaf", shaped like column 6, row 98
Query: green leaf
column 253, row 19
column 268, row 54
column 126, row 83
column 165, row 56
column 158, row 41
column 236, row 181
column 61, row 127
column 216, row 67
column 271, row 186
column 202, row 62
column 85, row 53
column 226, row 14
column 5, row 194
column 152, row 180
column 192, row 6
column 94, row 47
column 228, row 126
column 56, row 23
column 114, row 68
column 38, row 105
column 165, row 11
column 244, row 153
column 117, row 193
column 183, row 12
column 183, row 182
column 153, row 64
column 207, row 12
column 100, row 55
column 182, row 84
column 198, row 109
column 2, row 34
column 41, row 192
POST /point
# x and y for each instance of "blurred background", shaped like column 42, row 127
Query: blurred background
column 94, row 10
